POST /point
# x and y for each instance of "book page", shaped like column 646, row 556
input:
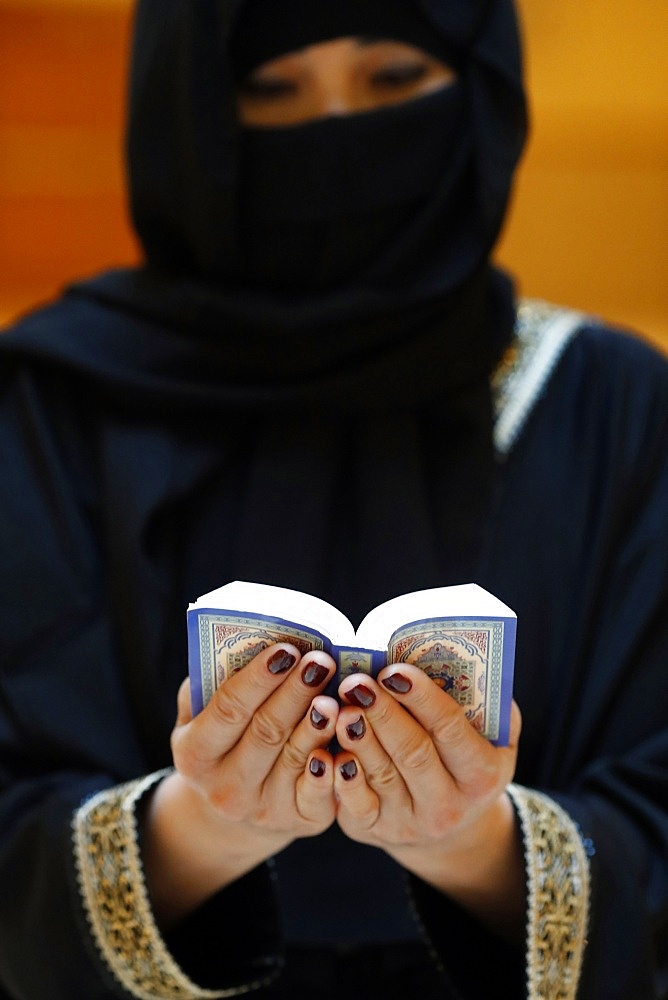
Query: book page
column 463, row 601
column 292, row 606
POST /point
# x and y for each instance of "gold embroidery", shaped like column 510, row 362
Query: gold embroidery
column 558, row 896
column 542, row 332
column 532, row 315
column 116, row 900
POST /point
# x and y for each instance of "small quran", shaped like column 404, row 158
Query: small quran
column 462, row 637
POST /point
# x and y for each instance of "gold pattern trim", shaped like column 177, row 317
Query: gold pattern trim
column 115, row 898
column 557, row 869
column 542, row 333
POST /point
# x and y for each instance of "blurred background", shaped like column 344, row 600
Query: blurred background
column 589, row 225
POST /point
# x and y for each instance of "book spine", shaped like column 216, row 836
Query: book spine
column 507, row 678
column 354, row 660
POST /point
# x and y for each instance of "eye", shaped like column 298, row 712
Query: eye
column 400, row 74
column 266, row 88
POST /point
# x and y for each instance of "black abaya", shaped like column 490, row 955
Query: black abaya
column 577, row 546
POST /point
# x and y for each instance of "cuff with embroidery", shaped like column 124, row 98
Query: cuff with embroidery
column 115, row 898
column 557, row 869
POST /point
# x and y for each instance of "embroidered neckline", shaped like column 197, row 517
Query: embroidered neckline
column 542, row 334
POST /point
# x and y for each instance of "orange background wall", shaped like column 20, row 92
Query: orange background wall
column 589, row 225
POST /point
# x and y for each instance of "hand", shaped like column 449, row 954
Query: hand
column 416, row 779
column 244, row 786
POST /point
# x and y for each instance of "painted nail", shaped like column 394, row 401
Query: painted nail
column 317, row 767
column 397, row 683
column 318, row 720
column 281, row 662
column 356, row 730
column 314, row 674
column 348, row 770
column 361, row 696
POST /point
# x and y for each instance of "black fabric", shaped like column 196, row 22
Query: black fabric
column 376, row 973
column 360, row 199
column 264, row 30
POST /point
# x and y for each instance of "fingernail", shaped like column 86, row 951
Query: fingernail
column 281, row 662
column 397, row 683
column 348, row 770
column 318, row 720
column 361, row 696
column 356, row 730
column 317, row 767
column 314, row 674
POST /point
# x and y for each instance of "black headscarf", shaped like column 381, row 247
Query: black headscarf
column 189, row 196
column 262, row 31
column 188, row 203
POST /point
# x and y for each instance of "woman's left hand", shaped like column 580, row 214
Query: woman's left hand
column 417, row 780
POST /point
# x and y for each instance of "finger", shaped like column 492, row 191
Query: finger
column 303, row 776
column 399, row 759
column 466, row 754
column 515, row 725
column 356, row 734
column 358, row 804
column 314, row 790
column 184, row 712
column 223, row 721
column 314, row 732
column 270, row 731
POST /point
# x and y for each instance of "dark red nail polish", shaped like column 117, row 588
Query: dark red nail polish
column 281, row 662
column 349, row 770
column 318, row 720
column 356, row 730
column 314, row 674
column 317, row 767
column 361, row 696
column 397, row 683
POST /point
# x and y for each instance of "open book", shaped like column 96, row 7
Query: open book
column 462, row 637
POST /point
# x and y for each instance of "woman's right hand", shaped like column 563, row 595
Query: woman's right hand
column 252, row 775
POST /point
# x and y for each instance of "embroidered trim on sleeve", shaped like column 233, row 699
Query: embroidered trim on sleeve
column 558, row 896
column 116, row 902
column 542, row 334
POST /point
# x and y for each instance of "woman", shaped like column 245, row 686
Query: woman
column 319, row 381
